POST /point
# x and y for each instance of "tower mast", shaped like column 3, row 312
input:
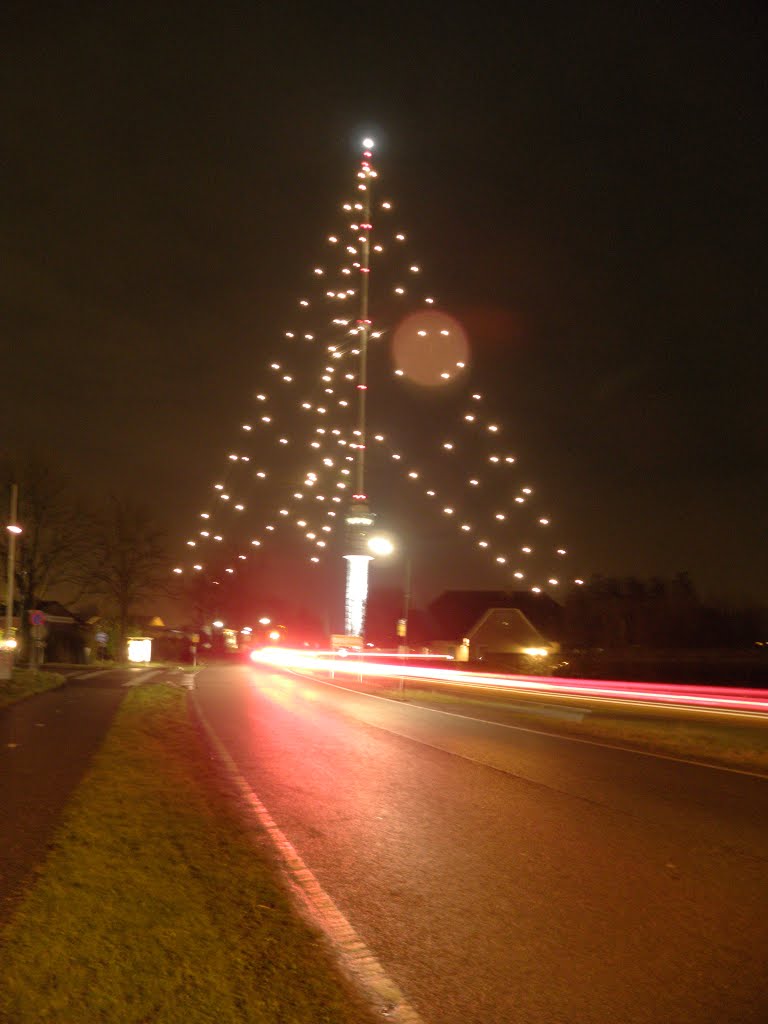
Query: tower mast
column 363, row 321
column 359, row 519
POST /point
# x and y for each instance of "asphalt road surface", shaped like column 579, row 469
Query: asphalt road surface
column 502, row 876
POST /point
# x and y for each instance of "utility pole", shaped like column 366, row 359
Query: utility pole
column 403, row 624
column 13, row 530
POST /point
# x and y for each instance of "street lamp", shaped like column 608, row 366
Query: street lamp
column 380, row 546
column 383, row 546
column 402, row 626
column 13, row 531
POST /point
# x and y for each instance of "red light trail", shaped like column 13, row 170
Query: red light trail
column 703, row 698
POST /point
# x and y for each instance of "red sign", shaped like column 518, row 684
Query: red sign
column 36, row 617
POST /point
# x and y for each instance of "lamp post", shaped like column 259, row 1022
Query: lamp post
column 380, row 545
column 386, row 547
column 8, row 645
column 402, row 626
column 383, row 546
column 13, row 531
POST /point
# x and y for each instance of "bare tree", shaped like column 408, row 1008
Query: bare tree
column 53, row 547
column 130, row 564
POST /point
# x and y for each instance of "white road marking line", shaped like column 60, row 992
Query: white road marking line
column 357, row 960
column 142, row 677
column 524, row 728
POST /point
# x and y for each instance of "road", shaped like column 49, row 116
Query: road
column 505, row 876
column 381, row 666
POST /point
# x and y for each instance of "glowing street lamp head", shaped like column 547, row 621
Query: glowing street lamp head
column 381, row 546
column 218, row 624
column 368, row 143
column 13, row 529
column 265, row 620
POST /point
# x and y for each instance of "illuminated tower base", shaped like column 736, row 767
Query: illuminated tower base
column 358, row 523
column 356, row 594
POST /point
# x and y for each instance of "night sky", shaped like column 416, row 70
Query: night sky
column 585, row 186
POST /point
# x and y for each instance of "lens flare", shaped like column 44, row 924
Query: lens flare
column 427, row 346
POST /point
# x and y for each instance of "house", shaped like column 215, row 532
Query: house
column 513, row 628
column 67, row 634
column 505, row 631
column 64, row 633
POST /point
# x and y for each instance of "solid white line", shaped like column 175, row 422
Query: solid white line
column 524, row 728
column 355, row 957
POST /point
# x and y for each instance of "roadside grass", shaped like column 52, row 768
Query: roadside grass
column 26, row 681
column 158, row 902
column 723, row 740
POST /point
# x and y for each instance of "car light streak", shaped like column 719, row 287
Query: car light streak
column 379, row 665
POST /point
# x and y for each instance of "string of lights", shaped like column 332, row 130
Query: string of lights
column 301, row 455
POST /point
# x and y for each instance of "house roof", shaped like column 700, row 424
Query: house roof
column 503, row 629
column 56, row 612
column 455, row 612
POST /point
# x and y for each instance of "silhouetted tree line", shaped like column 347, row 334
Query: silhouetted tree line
column 657, row 614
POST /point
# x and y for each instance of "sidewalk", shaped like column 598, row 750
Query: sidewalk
column 46, row 744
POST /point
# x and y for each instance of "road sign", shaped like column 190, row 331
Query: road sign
column 101, row 638
column 340, row 641
column 36, row 617
column 39, row 631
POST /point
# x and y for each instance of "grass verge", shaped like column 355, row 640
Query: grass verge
column 157, row 903
column 723, row 740
column 26, row 681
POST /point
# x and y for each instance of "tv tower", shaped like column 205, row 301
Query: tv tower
column 359, row 519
